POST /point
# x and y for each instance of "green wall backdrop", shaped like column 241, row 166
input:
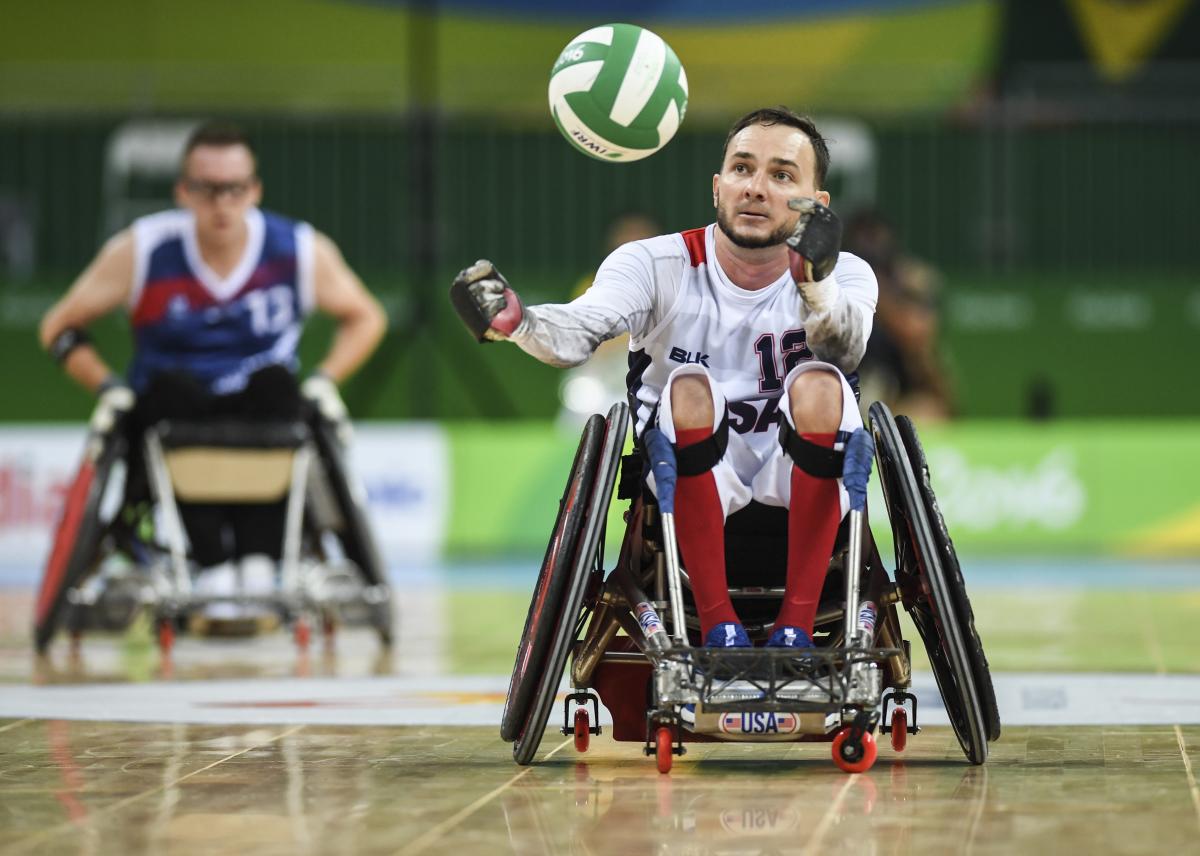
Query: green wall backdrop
column 1062, row 213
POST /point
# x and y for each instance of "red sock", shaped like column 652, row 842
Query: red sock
column 813, row 520
column 700, row 526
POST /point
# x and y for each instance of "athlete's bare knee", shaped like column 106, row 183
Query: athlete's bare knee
column 816, row 402
column 691, row 402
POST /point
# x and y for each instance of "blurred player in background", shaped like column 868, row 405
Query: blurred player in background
column 217, row 291
column 902, row 366
column 741, row 337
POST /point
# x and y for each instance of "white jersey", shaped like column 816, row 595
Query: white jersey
column 678, row 306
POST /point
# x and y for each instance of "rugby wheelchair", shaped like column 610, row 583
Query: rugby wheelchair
column 632, row 636
column 108, row 561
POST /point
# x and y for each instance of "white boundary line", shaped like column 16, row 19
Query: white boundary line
column 446, row 825
column 1024, row 699
column 1187, row 766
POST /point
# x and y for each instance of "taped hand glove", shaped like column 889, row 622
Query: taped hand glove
column 113, row 400
column 320, row 389
column 485, row 302
column 813, row 248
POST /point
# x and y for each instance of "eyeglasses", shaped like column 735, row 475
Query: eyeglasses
column 214, row 190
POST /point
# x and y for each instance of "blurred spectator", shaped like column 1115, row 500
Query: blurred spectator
column 17, row 247
column 902, row 366
column 600, row 382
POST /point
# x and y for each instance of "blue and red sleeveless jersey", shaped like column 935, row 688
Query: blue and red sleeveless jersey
column 218, row 330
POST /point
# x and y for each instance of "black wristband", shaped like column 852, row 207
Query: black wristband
column 67, row 341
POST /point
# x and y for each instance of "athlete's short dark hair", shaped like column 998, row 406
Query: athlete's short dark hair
column 784, row 116
column 217, row 134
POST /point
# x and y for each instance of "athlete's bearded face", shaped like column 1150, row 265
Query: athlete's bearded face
column 218, row 185
column 765, row 166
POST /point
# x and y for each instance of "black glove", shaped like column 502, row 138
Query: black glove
column 815, row 242
column 485, row 302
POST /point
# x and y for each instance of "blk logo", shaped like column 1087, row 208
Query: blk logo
column 679, row 355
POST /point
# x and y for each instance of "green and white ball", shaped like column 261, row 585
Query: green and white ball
column 618, row 92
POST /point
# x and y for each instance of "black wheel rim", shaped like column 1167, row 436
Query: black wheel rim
column 927, row 595
column 548, row 593
column 954, row 579
column 588, row 559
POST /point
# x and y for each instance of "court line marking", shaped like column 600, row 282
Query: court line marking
column 1187, row 766
column 827, row 819
column 16, row 724
column 442, row 828
column 68, row 825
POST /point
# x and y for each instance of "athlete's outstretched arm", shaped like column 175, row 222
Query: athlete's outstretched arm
column 839, row 311
column 361, row 321
column 620, row 300
column 838, row 290
column 104, row 285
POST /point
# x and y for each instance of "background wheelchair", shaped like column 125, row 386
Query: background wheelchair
column 109, row 561
column 613, row 627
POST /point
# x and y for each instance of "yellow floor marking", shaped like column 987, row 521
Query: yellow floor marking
column 69, row 825
column 446, row 825
column 827, row 819
column 13, row 725
column 1187, row 765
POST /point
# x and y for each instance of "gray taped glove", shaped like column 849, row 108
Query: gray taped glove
column 320, row 389
column 485, row 302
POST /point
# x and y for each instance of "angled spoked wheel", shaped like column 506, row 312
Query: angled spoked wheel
column 572, row 557
column 932, row 586
column 76, row 549
column 355, row 533
column 954, row 579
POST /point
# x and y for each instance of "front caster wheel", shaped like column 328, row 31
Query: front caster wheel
column 664, row 749
column 899, row 729
column 583, row 731
column 854, row 753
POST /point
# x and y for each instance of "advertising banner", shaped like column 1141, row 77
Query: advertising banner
column 485, row 490
column 1005, row 488
column 403, row 468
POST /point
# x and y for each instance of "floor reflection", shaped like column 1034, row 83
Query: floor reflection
column 707, row 809
column 95, row 787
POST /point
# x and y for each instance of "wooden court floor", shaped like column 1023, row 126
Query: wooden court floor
column 100, row 787
column 165, row 787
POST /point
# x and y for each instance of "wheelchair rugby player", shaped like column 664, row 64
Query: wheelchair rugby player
column 744, row 338
column 218, row 438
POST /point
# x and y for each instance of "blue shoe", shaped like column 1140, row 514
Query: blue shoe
column 727, row 634
column 790, row 637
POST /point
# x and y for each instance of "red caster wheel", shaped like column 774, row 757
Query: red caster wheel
column 854, row 754
column 583, row 732
column 302, row 633
column 166, row 635
column 663, row 745
column 899, row 729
